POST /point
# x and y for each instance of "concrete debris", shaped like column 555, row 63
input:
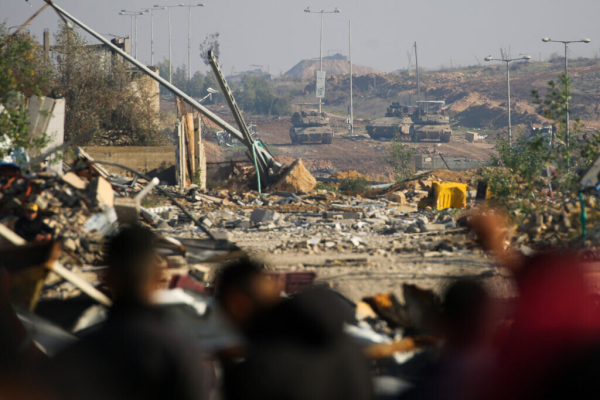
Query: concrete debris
column 102, row 191
column 74, row 180
column 397, row 197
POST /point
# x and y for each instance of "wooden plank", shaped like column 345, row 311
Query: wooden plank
column 12, row 237
column 80, row 283
column 190, row 145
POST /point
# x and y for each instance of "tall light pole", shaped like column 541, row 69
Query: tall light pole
column 135, row 15
column 566, row 43
column 168, row 8
column 151, row 11
column 508, row 61
column 335, row 11
column 350, row 57
column 190, row 37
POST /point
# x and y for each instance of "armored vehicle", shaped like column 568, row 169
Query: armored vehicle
column 431, row 122
column 310, row 127
column 396, row 123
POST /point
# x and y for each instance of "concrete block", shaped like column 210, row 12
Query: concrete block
column 352, row 215
column 333, row 215
column 127, row 209
column 74, row 180
column 261, row 216
column 471, row 136
column 102, row 191
column 397, row 197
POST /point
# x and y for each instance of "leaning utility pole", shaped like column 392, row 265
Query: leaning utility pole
column 417, row 66
column 263, row 158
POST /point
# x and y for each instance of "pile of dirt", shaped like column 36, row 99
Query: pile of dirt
column 296, row 179
column 490, row 114
column 306, row 69
column 466, row 100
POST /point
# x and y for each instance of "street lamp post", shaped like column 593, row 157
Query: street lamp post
column 335, row 11
column 566, row 43
column 508, row 61
column 134, row 14
column 168, row 8
column 151, row 11
column 190, row 37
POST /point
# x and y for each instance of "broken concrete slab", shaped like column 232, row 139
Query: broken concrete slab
column 260, row 215
column 397, row 197
column 103, row 222
column 127, row 209
column 74, row 180
column 102, row 191
column 433, row 227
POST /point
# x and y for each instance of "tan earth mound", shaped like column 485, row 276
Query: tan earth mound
column 349, row 175
column 295, row 179
column 306, row 69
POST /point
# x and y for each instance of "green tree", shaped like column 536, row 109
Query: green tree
column 523, row 164
column 400, row 157
column 526, row 159
column 255, row 94
column 23, row 73
column 163, row 72
column 180, row 79
column 196, row 84
column 101, row 92
column 567, row 155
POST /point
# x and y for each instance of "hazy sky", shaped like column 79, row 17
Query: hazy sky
column 278, row 34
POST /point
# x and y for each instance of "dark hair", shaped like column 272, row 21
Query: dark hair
column 236, row 275
column 464, row 302
column 127, row 256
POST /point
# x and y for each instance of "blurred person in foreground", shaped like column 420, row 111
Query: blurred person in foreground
column 133, row 355
column 19, row 355
column 453, row 371
column 552, row 348
column 31, row 227
column 296, row 347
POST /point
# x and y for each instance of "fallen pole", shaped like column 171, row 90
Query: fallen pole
column 80, row 284
column 205, row 111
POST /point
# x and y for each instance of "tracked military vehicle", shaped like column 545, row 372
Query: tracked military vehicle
column 310, row 127
column 396, row 123
column 431, row 122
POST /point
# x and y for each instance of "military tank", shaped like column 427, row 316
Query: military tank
column 310, row 127
column 430, row 122
column 396, row 123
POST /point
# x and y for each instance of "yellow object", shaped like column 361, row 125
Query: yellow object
column 446, row 195
column 32, row 207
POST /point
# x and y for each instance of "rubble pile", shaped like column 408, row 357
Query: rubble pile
column 552, row 222
column 320, row 222
column 66, row 204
